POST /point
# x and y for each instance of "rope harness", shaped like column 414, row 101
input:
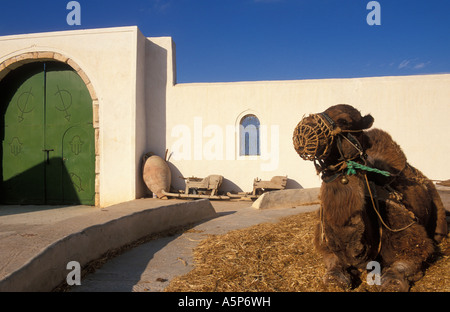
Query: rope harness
column 313, row 139
column 353, row 166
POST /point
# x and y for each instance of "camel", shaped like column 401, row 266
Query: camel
column 375, row 206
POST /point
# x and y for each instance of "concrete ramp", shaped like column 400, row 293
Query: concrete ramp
column 47, row 269
column 287, row 198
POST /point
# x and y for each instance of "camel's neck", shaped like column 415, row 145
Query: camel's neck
column 345, row 147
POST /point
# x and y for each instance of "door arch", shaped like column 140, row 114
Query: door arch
column 48, row 136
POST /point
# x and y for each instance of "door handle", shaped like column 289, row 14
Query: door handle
column 48, row 154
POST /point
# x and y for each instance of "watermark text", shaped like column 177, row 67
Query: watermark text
column 374, row 16
column 74, row 16
column 213, row 142
column 74, row 276
column 374, row 276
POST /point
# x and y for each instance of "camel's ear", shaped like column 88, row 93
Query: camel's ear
column 367, row 122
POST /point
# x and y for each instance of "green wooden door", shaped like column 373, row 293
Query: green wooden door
column 22, row 103
column 48, row 150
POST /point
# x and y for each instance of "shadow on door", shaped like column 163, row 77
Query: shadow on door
column 29, row 187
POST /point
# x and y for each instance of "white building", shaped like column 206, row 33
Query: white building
column 137, row 107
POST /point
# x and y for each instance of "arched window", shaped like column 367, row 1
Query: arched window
column 249, row 136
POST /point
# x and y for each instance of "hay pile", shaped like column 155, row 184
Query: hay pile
column 279, row 257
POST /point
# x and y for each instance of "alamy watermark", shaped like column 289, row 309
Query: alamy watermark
column 214, row 142
column 374, row 276
column 74, row 16
column 374, row 16
column 74, row 276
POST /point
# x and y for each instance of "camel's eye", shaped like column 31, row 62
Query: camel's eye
column 342, row 122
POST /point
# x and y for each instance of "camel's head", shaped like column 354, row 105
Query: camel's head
column 315, row 135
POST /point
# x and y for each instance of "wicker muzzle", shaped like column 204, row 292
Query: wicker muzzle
column 313, row 137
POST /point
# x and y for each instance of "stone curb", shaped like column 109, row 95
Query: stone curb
column 48, row 269
column 287, row 198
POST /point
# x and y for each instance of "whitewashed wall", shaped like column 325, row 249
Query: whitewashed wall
column 142, row 109
column 110, row 60
column 413, row 109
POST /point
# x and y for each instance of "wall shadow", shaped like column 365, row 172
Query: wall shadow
column 154, row 121
column 155, row 97
column 43, row 184
column 230, row 186
column 292, row 184
column 140, row 264
column 178, row 183
column 124, row 269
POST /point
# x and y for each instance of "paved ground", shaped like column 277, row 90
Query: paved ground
column 151, row 266
column 26, row 231
column 29, row 231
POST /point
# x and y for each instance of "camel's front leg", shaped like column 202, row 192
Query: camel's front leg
column 336, row 273
column 397, row 277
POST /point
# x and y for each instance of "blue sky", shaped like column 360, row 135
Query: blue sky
column 245, row 40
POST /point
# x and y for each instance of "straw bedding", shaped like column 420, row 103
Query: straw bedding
column 280, row 257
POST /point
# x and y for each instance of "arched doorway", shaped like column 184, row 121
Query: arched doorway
column 47, row 134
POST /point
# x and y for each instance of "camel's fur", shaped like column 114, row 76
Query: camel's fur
column 348, row 235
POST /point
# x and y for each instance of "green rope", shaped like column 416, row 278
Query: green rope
column 352, row 166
